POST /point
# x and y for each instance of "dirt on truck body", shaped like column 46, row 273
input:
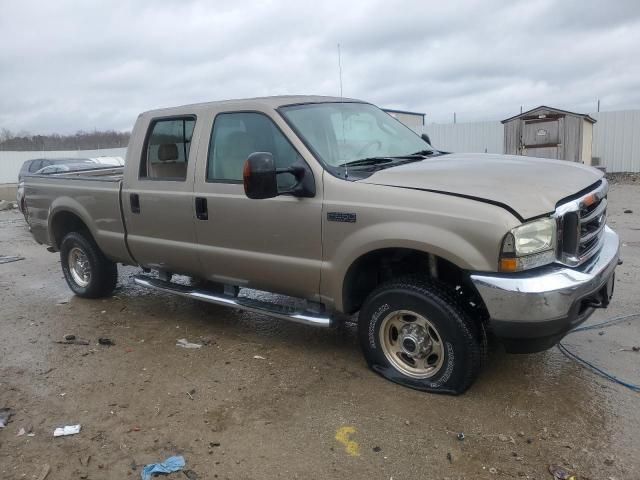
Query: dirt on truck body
column 333, row 202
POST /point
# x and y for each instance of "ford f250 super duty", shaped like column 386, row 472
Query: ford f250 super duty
column 336, row 203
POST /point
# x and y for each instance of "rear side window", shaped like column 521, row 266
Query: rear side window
column 166, row 152
column 235, row 136
column 35, row 165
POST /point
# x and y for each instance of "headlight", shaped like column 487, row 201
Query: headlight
column 528, row 246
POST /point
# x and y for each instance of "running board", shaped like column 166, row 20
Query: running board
column 280, row 311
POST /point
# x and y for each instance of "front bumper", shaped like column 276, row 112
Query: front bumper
column 531, row 311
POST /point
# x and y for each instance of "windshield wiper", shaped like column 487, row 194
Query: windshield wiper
column 367, row 161
column 422, row 153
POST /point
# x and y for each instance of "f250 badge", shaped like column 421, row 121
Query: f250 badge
column 341, row 217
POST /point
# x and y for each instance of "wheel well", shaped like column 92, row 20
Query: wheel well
column 379, row 266
column 66, row 222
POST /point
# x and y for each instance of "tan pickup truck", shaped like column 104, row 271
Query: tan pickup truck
column 335, row 203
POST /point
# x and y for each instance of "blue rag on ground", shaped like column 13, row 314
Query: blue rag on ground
column 171, row 464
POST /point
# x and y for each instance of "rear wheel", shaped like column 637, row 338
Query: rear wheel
column 87, row 271
column 417, row 333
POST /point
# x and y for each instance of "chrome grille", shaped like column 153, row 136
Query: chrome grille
column 581, row 225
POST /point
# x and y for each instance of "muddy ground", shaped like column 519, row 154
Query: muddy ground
column 236, row 416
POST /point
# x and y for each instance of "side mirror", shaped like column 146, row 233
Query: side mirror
column 259, row 176
column 426, row 138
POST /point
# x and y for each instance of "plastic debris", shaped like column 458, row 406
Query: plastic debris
column 66, row 430
column 106, row 341
column 461, row 436
column 5, row 415
column 170, row 465
column 259, row 357
column 185, row 344
column 627, row 210
column 560, row 473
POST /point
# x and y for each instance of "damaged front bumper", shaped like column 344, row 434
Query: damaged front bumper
column 531, row 311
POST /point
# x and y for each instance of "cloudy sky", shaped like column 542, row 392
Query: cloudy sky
column 69, row 65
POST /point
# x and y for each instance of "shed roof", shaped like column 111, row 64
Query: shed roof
column 406, row 112
column 531, row 112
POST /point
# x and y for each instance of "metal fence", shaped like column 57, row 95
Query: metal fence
column 10, row 162
column 616, row 142
column 616, row 138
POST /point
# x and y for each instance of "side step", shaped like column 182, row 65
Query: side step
column 280, row 311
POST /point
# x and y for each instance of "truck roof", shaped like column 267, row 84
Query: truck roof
column 248, row 103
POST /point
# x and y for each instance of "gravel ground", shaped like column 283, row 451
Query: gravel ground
column 266, row 399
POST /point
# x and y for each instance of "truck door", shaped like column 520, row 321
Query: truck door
column 157, row 200
column 273, row 244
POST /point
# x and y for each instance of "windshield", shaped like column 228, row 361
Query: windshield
column 341, row 133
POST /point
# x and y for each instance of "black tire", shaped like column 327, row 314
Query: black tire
column 462, row 340
column 103, row 272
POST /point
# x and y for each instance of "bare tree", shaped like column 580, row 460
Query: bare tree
column 81, row 140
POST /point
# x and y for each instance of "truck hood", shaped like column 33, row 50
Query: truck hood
column 526, row 186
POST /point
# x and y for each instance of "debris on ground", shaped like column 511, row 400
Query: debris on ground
column 4, row 205
column 170, row 465
column 66, row 430
column 632, row 349
column 5, row 415
column 186, row 344
column 503, row 438
column 560, row 473
column 628, row 210
column 10, row 258
column 259, row 357
column 493, row 470
column 44, row 472
column 28, row 431
column 191, row 393
column 460, row 436
column 71, row 339
column 106, row 341
column 377, row 449
column 190, row 474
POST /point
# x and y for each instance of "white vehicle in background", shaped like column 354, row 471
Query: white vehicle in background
column 62, row 165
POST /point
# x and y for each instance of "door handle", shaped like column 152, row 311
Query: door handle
column 134, row 201
column 202, row 213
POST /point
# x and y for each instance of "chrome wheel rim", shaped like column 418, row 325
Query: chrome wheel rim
column 79, row 267
column 412, row 344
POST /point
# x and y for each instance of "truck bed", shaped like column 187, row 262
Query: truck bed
column 94, row 198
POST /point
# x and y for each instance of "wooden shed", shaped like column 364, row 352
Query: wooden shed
column 547, row 132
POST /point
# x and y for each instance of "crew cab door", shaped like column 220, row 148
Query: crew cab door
column 157, row 199
column 272, row 244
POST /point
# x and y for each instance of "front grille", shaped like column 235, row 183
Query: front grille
column 581, row 225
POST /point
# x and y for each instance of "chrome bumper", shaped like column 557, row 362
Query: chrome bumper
column 550, row 300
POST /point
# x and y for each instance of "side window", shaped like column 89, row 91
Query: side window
column 35, row 166
column 166, row 152
column 235, row 136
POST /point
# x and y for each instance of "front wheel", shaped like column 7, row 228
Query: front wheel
column 416, row 333
column 87, row 271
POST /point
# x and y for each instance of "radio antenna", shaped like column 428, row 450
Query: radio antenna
column 340, row 70
column 346, row 168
